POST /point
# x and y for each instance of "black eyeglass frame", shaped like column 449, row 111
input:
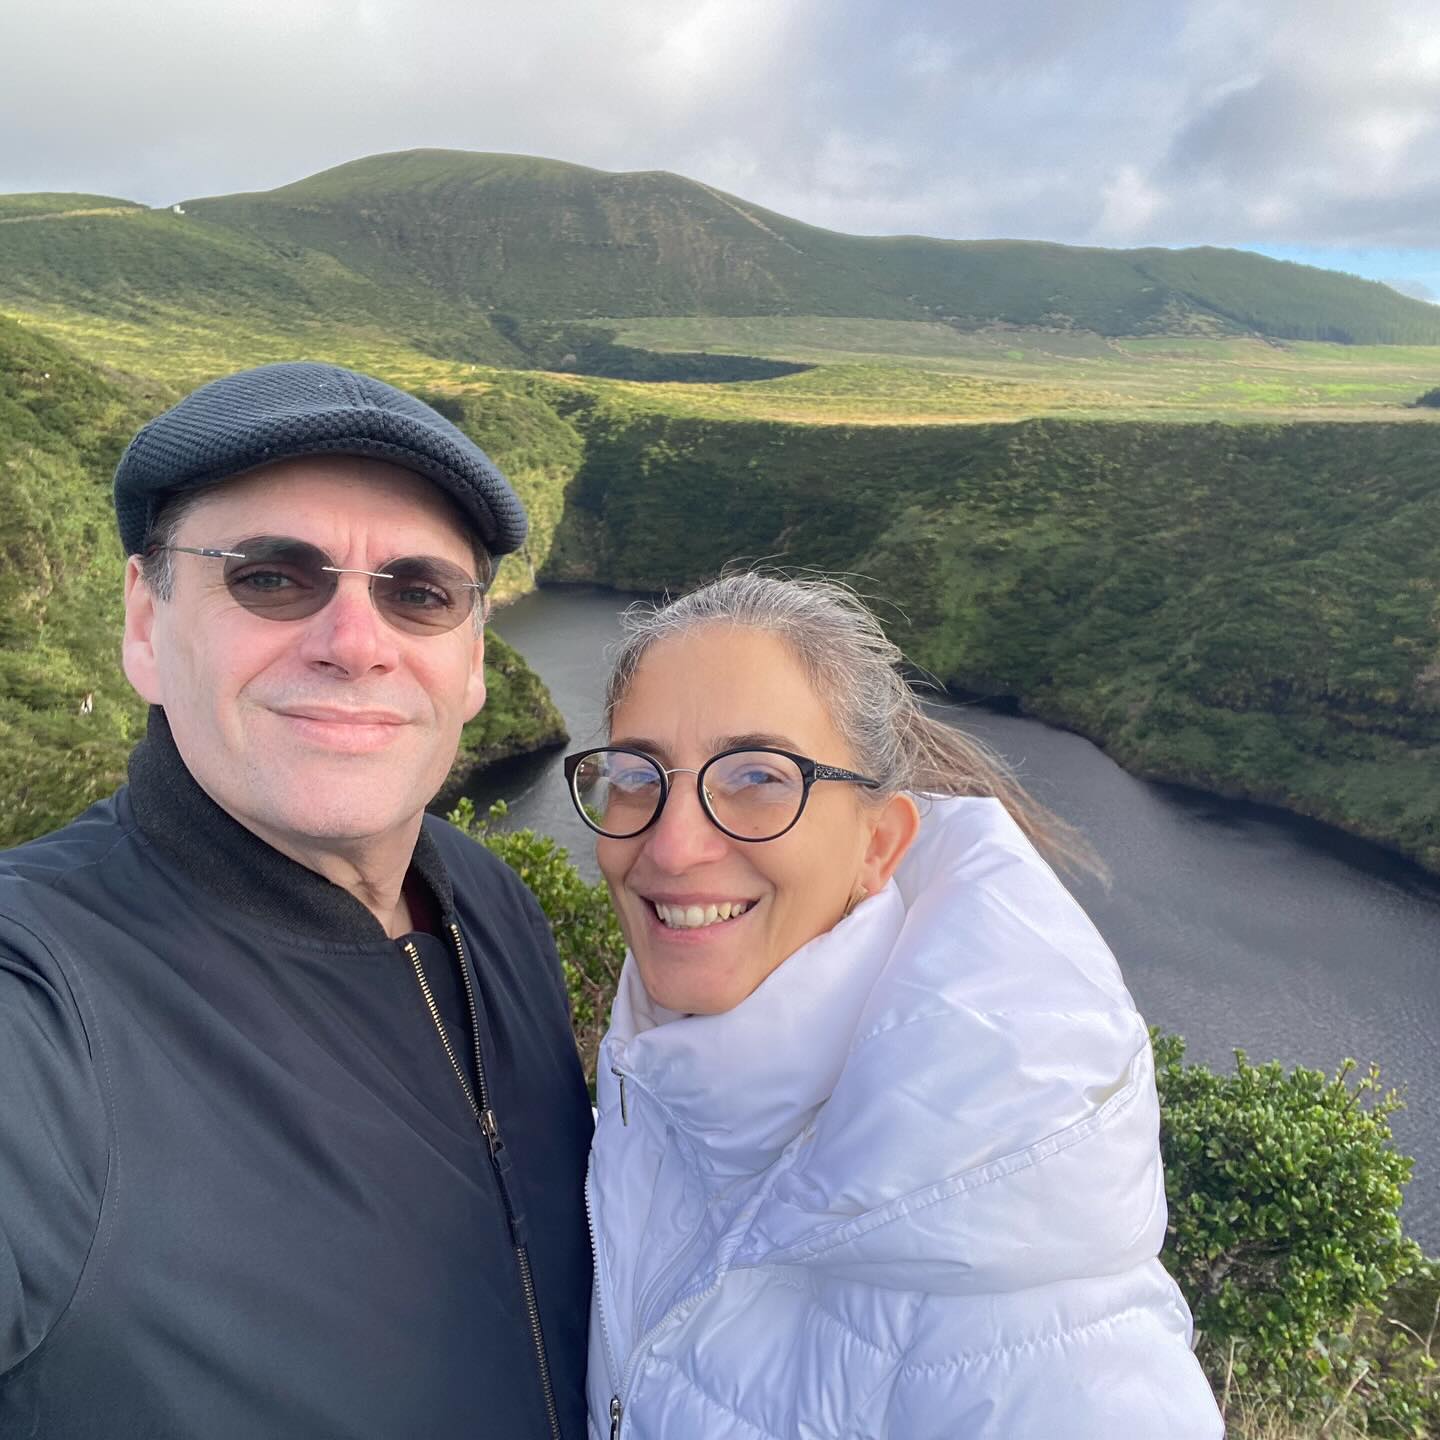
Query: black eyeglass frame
column 810, row 770
column 476, row 589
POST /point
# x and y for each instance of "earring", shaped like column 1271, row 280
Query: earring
column 860, row 894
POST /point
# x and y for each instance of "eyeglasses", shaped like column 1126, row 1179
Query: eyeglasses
column 752, row 794
column 279, row 578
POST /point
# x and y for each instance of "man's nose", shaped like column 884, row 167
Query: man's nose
column 684, row 835
column 347, row 634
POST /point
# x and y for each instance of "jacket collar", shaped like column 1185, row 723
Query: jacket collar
column 237, row 867
column 743, row 1085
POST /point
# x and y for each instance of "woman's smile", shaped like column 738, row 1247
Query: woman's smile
column 708, row 916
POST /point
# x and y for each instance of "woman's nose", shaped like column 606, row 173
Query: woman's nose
column 684, row 836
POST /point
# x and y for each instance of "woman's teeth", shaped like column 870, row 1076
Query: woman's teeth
column 692, row 917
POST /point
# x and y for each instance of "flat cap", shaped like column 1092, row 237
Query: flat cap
column 279, row 412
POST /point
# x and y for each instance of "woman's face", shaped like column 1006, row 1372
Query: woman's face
column 693, row 696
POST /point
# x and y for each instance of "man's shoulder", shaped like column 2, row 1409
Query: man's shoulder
column 471, row 865
column 52, row 859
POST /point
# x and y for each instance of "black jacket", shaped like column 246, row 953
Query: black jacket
column 242, row 1190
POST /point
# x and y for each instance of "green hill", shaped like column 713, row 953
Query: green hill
column 543, row 239
column 430, row 248
column 167, row 273
column 67, row 716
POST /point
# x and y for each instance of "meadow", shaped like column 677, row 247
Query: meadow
column 861, row 372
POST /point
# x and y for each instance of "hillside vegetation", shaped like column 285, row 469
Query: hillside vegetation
column 432, row 247
column 68, row 718
column 1250, row 609
column 544, row 239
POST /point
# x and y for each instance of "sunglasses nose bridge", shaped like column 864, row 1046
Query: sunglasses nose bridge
column 355, row 570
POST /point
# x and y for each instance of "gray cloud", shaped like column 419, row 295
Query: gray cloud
column 1117, row 121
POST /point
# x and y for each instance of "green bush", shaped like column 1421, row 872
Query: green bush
column 1284, row 1191
column 587, row 935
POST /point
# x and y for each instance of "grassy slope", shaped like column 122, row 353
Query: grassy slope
column 62, row 427
column 1250, row 609
column 544, row 239
column 878, row 372
column 163, row 273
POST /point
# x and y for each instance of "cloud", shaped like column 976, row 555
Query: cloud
column 1118, row 121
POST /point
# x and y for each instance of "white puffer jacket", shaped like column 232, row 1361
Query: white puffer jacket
column 910, row 1188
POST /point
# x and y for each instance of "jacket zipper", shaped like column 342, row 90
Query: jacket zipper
column 616, row 1410
column 490, row 1129
column 617, row 1402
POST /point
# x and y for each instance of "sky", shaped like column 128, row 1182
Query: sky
column 1308, row 129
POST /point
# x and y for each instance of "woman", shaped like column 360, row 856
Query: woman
column 876, row 1152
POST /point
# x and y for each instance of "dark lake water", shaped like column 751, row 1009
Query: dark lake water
column 1236, row 925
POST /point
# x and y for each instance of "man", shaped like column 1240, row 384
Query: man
column 292, row 1127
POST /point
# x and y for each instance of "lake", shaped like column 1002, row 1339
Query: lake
column 1236, row 925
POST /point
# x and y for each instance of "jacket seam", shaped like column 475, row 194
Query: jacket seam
column 915, row 1201
column 694, row 1384
column 1051, row 1340
column 881, row 1352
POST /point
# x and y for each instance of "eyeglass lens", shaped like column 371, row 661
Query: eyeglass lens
column 283, row 579
column 752, row 794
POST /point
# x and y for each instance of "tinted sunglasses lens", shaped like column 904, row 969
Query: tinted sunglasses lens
column 283, row 579
column 280, row 579
column 423, row 595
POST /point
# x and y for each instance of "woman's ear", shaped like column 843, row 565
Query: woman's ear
column 895, row 829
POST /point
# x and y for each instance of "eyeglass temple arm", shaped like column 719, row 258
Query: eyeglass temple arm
column 831, row 772
column 208, row 553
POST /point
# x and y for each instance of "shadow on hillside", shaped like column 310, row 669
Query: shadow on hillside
column 592, row 350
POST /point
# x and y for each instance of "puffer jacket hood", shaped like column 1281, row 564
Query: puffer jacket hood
column 936, row 1122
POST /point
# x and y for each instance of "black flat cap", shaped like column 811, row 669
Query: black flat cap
column 279, row 412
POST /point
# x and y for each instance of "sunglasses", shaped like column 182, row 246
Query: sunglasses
column 278, row 578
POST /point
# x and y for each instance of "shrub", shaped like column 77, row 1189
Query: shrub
column 587, row 935
column 1284, row 1192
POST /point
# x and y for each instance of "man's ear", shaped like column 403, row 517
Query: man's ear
column 895, row 830
column 138, row 650
column 475, row 685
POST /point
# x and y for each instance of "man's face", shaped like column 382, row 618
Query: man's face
column 327, row 730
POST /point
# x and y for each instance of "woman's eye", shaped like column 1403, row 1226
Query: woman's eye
column 631, row 781
column 757, row 777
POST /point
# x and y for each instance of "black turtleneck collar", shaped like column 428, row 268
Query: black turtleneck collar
column 237, row 867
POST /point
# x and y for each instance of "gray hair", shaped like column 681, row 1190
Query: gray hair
column 157, row 562
column 858, row 673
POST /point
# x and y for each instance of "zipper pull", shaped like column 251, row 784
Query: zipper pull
column 490, row 1129
column 624, row 1102
column 616, row 1414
